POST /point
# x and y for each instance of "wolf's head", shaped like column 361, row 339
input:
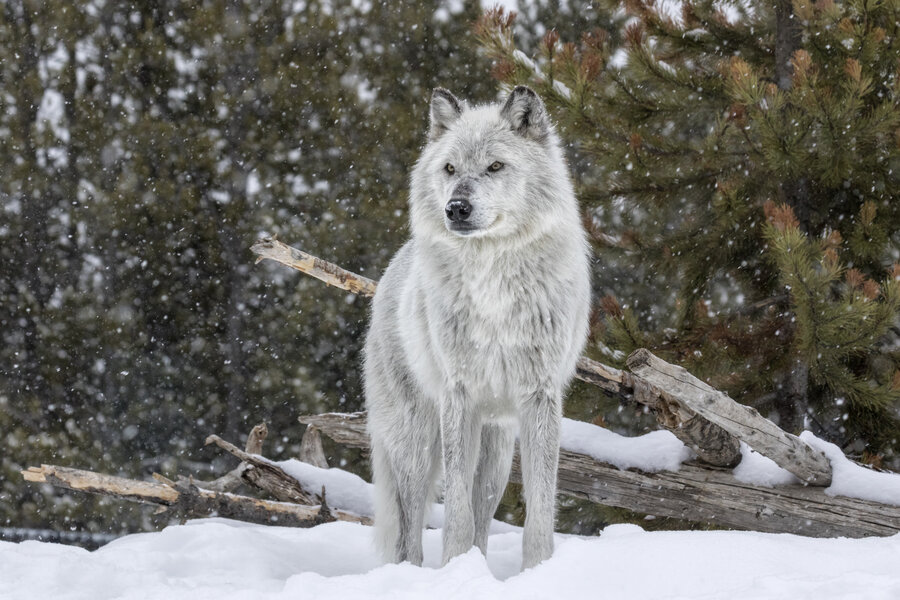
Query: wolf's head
column 492, row 171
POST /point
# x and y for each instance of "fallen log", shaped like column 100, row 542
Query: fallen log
column 711, row 443
column 296, row 506
column 743, row 422
column 185, row 500
column 693, row 493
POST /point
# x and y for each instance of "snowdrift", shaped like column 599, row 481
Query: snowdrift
column 220, row 559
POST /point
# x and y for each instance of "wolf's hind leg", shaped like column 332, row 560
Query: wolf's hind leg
column 491, row 476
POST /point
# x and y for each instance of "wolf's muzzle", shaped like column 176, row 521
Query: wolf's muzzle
column 458, row 210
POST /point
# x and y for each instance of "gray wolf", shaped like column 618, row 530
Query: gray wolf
column 476, row 327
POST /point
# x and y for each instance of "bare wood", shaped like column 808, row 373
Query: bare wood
column 712, row 444
column 311, row 450
column 743, row 422
column 693, row 493
column 195, row 502
column 348, row 429
column 97, row 483
column 323, row 270
column 231, row 480
column 256, row 438
column 187, row 500
column 609, row 378
column 266, row 475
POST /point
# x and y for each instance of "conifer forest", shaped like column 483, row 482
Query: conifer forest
column 737, row 165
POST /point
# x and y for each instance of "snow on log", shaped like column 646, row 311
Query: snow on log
column 711, row 443
column 692, row 493
column 743, row 422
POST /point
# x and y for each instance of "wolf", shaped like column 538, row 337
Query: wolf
column 476, row 328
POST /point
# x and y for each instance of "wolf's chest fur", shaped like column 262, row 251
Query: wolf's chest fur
column 487, row 325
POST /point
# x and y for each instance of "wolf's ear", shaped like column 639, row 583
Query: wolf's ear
column 526, row 113
column 445, row 109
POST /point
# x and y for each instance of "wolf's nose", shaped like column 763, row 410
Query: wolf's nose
column 458, row 210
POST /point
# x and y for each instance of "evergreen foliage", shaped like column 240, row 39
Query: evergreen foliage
column 743, row 162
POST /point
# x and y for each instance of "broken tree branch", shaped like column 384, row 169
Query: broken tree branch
column 323, row 270
column 311, row 450
column 743, row 422
column 186, row 500
column 692, row 493
column 348, row 429
column 266, row 475
column 711, row 443
column 232, row 479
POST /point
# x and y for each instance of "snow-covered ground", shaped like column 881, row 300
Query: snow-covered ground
column 221, row 560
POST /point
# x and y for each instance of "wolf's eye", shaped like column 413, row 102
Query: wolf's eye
column 495, row 166
column 450, row 168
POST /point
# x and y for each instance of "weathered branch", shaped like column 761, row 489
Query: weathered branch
column 97, row 483
column 743, row 422
column 323, row 270
column 711, row 443
column 348, row 429
column 266, row 475
column 311, row 450
column 297, row 507
column 186, row 500
column 232, row 479
column 693, row 493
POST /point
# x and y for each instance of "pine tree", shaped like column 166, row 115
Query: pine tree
column 742, row 168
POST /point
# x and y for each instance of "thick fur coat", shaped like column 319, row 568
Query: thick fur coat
column 476, row 328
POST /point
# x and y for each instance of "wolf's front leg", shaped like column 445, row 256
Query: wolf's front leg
column 539, row 446
column 460, row 443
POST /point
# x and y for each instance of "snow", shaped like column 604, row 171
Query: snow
column 853, row 480
column 662, row 451
column 354, row 494
column 651, row 452
column 222, row 560
column 849, row 479
column 757, row 469
column 346, row 490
